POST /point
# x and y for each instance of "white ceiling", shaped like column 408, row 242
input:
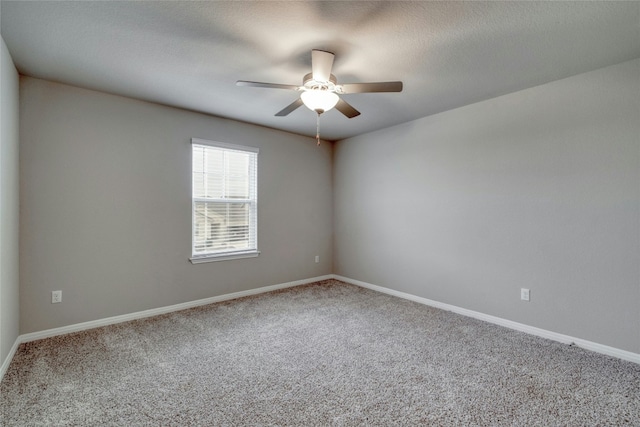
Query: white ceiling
column 190, row 54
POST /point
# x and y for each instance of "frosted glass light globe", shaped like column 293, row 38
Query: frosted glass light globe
column 319, row 100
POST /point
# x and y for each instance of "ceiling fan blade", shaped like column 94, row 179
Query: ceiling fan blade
column 321, row 63
column 372, row 87
column 289, row 108
column 345, row 108
column 266, row 85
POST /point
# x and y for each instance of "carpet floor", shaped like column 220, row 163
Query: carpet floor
column 324, row 354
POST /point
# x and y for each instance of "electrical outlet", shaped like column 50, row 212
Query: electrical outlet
column 56, row 297
column 317, row 259
column 524, row 294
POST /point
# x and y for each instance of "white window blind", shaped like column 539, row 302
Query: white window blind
column 225, row 201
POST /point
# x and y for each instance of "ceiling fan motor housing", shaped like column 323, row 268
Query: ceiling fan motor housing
column 308, row 83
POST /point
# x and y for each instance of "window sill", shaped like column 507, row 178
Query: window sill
column 223, row 257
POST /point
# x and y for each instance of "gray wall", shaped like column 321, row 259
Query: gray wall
column 537, row 189
column 9, row 204
column 106, row 210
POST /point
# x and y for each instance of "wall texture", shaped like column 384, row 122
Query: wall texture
column 106, row 209
column 9, row 204
column 537, row 189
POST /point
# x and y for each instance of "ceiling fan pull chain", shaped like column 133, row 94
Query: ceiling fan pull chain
column 318, row 128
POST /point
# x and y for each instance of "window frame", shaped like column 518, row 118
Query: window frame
column 197, row 258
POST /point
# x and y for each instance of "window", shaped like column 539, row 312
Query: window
column 224, row 200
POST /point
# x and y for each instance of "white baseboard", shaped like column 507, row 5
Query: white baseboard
column 146, row 313
column 565, row 339
column 9, row 358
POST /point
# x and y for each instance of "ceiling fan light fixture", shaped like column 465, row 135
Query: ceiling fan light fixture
column 320, row 89
column 319, row 101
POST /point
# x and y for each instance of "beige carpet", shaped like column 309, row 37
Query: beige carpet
column 317, row 355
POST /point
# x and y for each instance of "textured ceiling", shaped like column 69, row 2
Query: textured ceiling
column 189, row 54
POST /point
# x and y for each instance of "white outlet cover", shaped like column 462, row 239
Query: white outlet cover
column 524, row 294
column 56, row 297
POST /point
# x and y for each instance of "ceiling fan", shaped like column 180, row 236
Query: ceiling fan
column 320, row 88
